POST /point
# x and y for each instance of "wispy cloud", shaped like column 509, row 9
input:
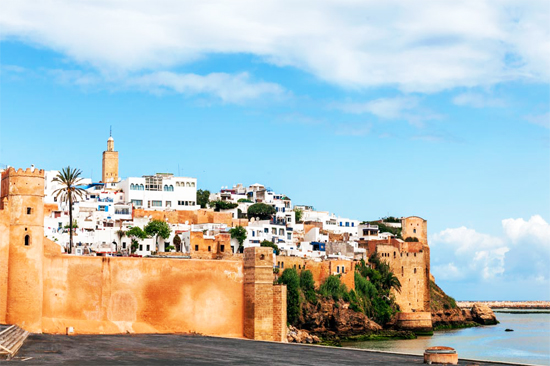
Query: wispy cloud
column 405, row 108
column 540, row 119
column 228, row 88
column 366, row 44
column 477, row 100
column 346, row 129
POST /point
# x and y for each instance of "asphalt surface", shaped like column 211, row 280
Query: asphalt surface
column 174, row 349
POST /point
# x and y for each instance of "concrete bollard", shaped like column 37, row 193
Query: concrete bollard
column 440, row 355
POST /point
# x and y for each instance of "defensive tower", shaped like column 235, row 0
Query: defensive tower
column 22, row 197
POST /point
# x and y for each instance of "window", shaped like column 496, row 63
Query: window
column 153, row 183
column 103, row 208
column 123, row 245
column 347, row 224
column 165, row 188
column 253, row 233
column 266, row 230
column 132, row 187
column 209, row 248
column 281, row 232
column 141, row 247
column 343, row 269
column 157, row 203
column 337, row 269
column 192, row 184
column 27, row 240
column 394, row 254
column 352, row 224
column 289, row 235
column 141, row 187
column 222, row 248
column 137, row 203
column 196, row 248
column 29, row 210
column 415, row 270
column 274, row 231
column 148, row 247
column 414, row 231
column 282, row 264
column 168, row 203
column 402, row 271
column 299, row 266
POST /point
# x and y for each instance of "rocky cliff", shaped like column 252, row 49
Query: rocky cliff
column 446, row 314
column 331, row 318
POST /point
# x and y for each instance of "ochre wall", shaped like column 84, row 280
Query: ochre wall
column 200, row 246
column 412, row 268
column 201, row 216
column 320, row 270
column 102, row 295
column 4, row 257
column 412, row 223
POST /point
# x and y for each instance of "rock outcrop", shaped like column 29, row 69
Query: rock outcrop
column 483, row 314
column 296, row 335
column 329, row 317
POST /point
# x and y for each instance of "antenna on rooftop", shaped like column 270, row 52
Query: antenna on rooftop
column 111, row 131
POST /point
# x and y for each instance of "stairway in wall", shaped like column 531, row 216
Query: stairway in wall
column 11, row 339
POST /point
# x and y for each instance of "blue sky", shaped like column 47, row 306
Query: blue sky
column 358, row 108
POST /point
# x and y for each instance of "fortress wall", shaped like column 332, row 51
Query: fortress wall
column 103, row 295
column 320, row 270
column 201, row 216
column 4, row 259
column 412, row 270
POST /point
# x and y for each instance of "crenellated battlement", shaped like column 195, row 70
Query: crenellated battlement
column 11, row 171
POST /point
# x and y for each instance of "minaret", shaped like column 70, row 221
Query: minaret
column 110, row 162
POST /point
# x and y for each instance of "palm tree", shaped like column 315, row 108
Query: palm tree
column 120, row 233
column 69, row 192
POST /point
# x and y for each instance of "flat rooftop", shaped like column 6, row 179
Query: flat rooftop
column 175, row 349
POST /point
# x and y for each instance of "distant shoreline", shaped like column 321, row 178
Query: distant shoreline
column 507, row 304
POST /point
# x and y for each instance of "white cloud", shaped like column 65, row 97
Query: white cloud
column 357, row 44
column 535, row 230
column 523, row 251
column 397, row 108
column 229, row 88
column 477, row 100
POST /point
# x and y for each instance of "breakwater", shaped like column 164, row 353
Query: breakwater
column 507, row 304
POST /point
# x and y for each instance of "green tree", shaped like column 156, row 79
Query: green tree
column 238, row 233
column 261, row 210
column 177, row 243
column 292, row 281
column 244, row 200
column 299, row 214
column 267, row 243
column 332, row 287
column 157, row 228
column 307, row 284
column 69, row 179
column 134, row 234
column 203, row 196
column 222, row 205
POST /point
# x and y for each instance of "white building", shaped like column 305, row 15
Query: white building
column 161, row 191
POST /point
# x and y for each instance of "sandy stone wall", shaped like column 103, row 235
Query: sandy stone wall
column 202, row 216
column 279, row 313
column 210, row 248
column 412, row 268
column 142, row 295
column 415, row 227
column 321, row 270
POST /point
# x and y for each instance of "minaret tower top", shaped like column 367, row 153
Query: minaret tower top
column 110, row 162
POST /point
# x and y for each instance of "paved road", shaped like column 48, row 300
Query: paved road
column 173, row 349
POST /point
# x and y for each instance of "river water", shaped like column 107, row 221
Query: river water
column 529, row 342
